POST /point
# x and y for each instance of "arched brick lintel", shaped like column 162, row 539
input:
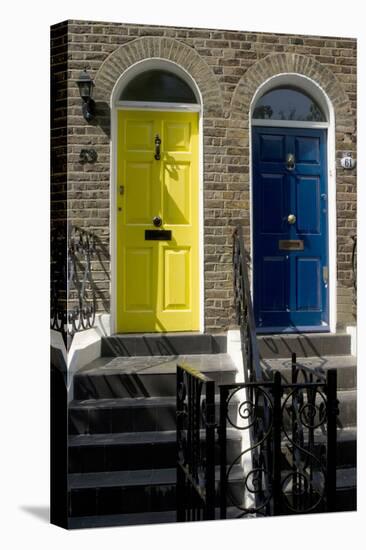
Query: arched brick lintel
column 275, row 64
column 170, row 49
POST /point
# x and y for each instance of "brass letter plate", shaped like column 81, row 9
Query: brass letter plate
column 291, row 245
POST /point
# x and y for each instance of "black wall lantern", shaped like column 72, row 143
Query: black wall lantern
column 86, row 85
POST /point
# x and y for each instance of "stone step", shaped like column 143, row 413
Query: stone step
column 134, row 491
column 304, row 345
column 138, row 414
column 147, row 518
column 345, row 365
column 142, row 414
column 347, row 417
column 346, row 490
column 146, row 491
column 129, row 345
column 346, row 453
column 146, row 376
column 347, row 408
column 119, row 520
column 133, row 451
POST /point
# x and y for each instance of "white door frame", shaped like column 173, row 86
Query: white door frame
column 314, row 90
column 115, row 106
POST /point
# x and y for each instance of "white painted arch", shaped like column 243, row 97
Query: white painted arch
column 116, row 105
column 312, row 88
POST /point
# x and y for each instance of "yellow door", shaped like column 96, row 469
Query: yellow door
column 157, row 280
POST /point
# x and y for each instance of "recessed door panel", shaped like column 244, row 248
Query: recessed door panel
column 139, row 135
column 274, row 284
column 177, row 136
column 157, row 222
column 308, row 284
column 139, row 208
column 307, row 150
column 177, row 183
column 177, row 278
column 272, row 202
column 272, row 148
column 290, row 221
column 308, row 204
column 139, row 279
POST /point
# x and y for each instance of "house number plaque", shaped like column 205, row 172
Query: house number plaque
column 291, row 245
column 348, row 162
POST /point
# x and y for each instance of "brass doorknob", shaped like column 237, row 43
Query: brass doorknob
column 291, row 218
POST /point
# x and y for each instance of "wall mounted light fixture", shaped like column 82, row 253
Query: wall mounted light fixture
column 86, row 85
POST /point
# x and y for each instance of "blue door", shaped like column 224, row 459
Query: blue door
column 290, row 221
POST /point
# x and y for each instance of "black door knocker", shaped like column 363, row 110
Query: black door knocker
column 157, row 147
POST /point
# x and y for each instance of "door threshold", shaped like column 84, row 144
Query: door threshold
column 293, row 330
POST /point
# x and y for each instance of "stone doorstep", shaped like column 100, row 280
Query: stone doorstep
column 144, row 365
column 281, row 346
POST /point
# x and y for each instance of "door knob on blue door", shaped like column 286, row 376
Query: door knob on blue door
column 291, row 218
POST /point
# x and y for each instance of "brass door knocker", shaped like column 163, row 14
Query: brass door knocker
column 290, row 161
column 157, row 147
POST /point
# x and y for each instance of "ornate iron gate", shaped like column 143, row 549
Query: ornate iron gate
column 288, row 460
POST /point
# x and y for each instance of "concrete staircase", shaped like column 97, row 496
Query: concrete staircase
column 324, row 351
column 122, row 439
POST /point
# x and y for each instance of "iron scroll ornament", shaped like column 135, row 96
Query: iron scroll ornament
column 73, row 293
column 254, row 414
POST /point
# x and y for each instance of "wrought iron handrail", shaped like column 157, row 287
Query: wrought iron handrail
column 354, row 268
column 195, row 445
column 73, row 292
column 244, row 310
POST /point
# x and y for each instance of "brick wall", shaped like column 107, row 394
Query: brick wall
column 59, row 160
column 59, row 42
column 228, row 66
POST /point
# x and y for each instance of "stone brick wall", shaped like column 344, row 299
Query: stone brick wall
column 228, row 67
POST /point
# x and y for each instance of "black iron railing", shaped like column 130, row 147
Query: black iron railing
column 287, row 463
column 244, row 309
column 354, row 268
column 196, row 445
column 73, row 293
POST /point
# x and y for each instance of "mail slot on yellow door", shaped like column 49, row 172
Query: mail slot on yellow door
column 291, row 245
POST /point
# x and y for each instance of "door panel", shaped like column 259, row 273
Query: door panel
column 157, row 281
column 308, row 205
column 139, row 277
column 139, row 207
column 274, row 286
column 308, row 284
column 177, row 192
column 177, row 276
column 272, row 148
column 289, row 292
column 307, row 150
column 273, row 205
